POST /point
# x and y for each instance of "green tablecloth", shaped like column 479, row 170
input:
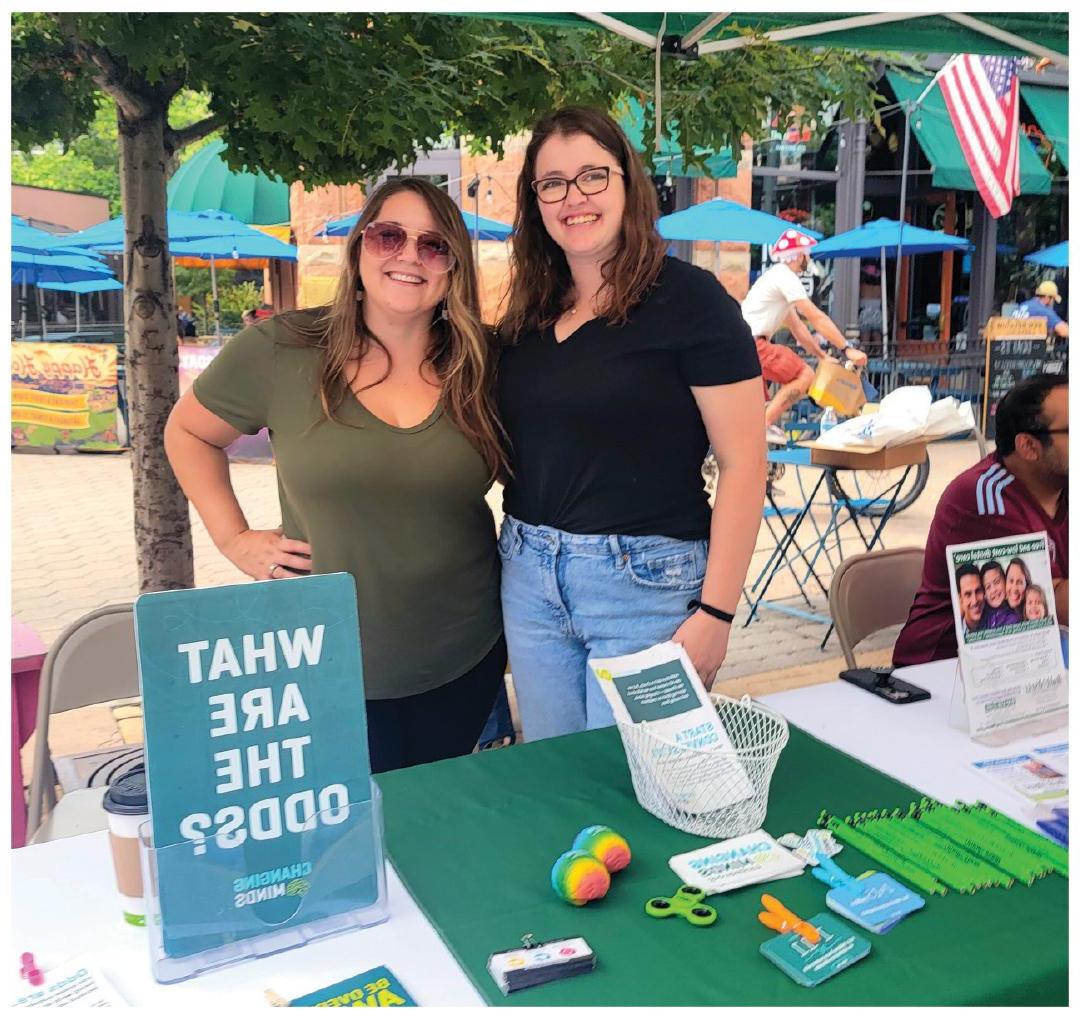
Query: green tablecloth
column 474, row 839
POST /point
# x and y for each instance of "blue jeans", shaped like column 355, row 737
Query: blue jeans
column 569, row 598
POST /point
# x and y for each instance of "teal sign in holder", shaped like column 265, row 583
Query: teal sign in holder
column 265, row 822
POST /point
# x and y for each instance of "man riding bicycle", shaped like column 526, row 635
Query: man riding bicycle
column 777, row 299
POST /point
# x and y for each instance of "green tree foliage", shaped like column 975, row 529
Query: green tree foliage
column 91, row 161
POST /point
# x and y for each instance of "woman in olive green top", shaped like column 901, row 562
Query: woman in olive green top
column 385, row 443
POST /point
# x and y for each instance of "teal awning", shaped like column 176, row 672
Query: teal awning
column 669, row 160
column 1051, row 109
column 205, row 182
column 933, row 129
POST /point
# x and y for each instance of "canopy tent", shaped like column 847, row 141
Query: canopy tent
column 204, row 181
column 936, row 135
column 83, row 287
column 721, row 220
column 882, row 239
column 489, row 229
column 669, row 158
column 1040, row 34
column 1051, row 109
column 1056, row 256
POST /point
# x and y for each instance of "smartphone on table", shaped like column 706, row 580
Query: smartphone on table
column 879, row 680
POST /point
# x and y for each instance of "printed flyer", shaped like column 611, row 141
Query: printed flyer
column 1006, row 632
column 1037, row 776
column 734, row 863
column 660, row 688
column 257, row 760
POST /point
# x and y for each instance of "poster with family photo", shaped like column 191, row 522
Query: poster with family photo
column 1006, row 631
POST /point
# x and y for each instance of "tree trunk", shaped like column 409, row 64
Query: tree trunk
column 162, row 526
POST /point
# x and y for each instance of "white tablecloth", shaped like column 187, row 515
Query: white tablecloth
column 64, row 904
column 913, row 743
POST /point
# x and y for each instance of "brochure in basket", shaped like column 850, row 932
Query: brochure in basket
column 659, row 689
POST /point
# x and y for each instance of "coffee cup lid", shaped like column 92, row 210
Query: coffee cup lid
column 127, row 794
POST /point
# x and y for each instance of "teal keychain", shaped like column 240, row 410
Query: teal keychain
column 873, row 901
column 809, row 952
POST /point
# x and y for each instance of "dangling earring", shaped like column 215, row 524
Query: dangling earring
column 359, row 291
column 445, row 313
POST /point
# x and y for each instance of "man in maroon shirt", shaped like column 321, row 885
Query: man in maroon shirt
column 1020, row 488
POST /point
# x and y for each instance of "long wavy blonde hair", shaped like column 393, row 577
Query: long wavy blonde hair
column 462, row 351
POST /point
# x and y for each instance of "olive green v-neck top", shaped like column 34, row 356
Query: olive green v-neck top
column 401, row 509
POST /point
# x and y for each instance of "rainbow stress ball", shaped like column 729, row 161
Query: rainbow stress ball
column 606, row 845
column 578, row 877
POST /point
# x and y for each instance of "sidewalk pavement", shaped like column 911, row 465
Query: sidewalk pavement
column 73, row 551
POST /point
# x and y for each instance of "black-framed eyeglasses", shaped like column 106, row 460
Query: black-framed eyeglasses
column 589, row 182
column 1048, row 432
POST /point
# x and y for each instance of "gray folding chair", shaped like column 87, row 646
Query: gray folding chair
column 872, row 591
column 91, row 662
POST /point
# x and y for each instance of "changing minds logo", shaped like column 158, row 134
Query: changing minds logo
column 289, row 880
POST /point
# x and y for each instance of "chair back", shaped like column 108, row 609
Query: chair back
column 91, row 662
column 871, row 591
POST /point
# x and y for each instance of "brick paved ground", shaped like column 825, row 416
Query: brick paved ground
column 73, row 550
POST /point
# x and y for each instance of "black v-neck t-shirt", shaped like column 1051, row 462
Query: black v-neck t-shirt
column 605, row 436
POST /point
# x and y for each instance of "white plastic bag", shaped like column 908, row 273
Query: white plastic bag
column 901, row 418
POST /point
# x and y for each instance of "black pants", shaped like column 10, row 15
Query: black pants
column 442, row 723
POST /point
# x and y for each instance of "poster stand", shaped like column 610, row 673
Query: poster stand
column 325, row 897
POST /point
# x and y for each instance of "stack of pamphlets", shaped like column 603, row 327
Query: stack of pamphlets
column 659, row 689
column 734, row 863
column 1036, row 777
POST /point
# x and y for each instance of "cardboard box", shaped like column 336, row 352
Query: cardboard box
column 838, row 387
column 866, row 458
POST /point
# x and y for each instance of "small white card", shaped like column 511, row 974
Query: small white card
column 76, row 983
column 734, row 863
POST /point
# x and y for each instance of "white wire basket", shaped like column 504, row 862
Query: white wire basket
column 708, row 792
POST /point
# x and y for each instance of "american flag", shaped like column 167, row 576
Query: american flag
column 983, row 98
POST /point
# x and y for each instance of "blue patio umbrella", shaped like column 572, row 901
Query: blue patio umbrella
column 245, row 243
column 30, row 239
column 490, row 230
column 83, row 287
column 1056, row 256
column 37, row 268
column 719, row 219
column 882, row 239
column 109, row 236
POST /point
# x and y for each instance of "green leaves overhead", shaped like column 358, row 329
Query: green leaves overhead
column 337, row 97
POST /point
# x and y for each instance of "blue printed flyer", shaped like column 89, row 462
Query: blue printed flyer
column 257, row 758
column 378, row 987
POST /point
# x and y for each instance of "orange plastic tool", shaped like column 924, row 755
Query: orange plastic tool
column 779, row 918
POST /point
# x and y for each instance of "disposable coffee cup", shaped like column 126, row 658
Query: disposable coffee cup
column 126, row 805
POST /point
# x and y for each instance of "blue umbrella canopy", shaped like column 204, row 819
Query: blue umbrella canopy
column 722, row 220
column 252, row 244
column 871, row 238
column 38, row 268
column 109, row 236
column 29, row 239
column 490, row 230
column 1056, row 256
column 84, row 286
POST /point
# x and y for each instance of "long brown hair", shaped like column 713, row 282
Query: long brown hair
column 540, row 281
column 462, row 350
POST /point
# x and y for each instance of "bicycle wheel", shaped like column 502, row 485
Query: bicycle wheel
column 870, row 491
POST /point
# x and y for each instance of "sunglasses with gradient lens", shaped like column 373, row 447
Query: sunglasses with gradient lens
column 385, row 240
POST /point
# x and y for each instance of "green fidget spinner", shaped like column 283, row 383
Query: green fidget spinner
column 686, row 902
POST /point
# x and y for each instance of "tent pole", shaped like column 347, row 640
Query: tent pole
column 78, row 323
column 884, row 314
column 22, row 309
column 217, row 307
column 903, row 206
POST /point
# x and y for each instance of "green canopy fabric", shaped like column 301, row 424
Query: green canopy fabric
column 932, row 33
column 669, row 160
column 1051, row 109
column 933, row 130
column 205, row 182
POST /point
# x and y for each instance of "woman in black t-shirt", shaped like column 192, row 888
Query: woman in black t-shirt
column 620, row 367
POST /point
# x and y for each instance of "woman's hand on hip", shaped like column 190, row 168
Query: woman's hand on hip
column 268, row 555
column 705, row 640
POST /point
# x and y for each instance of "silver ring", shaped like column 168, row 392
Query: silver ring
column 273, row 567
